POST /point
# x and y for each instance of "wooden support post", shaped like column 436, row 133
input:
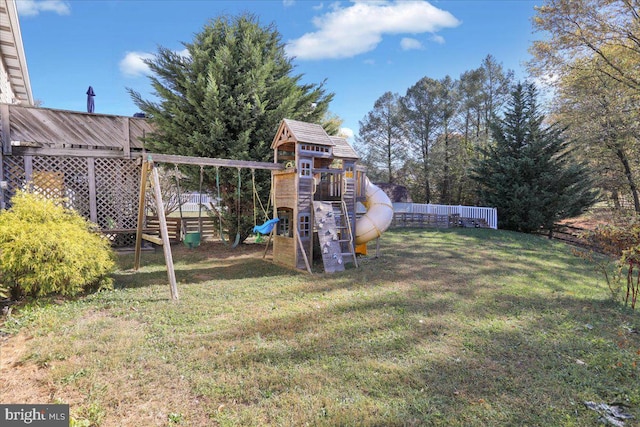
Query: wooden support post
column 126, row 138
column 304, row 253
column 5, row 129
column 144, row 174
column 3, row 184
column 164, row 233
column 5, row 142
column 91, row 178
column 266, row 248
column 28, row 168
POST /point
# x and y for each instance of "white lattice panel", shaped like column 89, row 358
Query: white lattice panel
column 117, row 188
column 14, row 175
column 65, row 177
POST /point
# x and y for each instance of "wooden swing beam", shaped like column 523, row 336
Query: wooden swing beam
column 212, row 161
column 159, row 158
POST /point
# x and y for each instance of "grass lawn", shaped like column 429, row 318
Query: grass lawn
column 459, row 327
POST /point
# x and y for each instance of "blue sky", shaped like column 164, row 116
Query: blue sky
column 361, row 48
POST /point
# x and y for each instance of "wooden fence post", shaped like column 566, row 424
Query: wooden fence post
column 93, row 198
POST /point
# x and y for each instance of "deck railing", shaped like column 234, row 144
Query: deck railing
column 489, row 215
column 190, row 201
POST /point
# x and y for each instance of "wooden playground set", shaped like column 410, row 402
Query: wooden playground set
column 99, row 164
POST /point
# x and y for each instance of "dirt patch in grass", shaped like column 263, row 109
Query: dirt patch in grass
column 594, row 218
column 21, row 382
column 100, row 368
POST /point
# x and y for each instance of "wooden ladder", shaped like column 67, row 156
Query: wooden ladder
column 334, row 235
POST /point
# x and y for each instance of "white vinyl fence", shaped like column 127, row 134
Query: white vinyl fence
column 190, row 201
column 490, row 215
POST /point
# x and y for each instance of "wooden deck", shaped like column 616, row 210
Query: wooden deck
column 420, row 220
column 124, row 237
column 427, row 220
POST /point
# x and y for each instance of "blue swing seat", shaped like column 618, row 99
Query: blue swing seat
column 266, row 227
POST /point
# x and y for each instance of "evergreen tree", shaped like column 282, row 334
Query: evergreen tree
column 529, row 173
column 226, row 99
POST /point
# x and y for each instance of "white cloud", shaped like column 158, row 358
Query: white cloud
column 132, row 65
column 346, row 133
column 288, row 3
column 359, row 28
column 184, row 52
column 335, row 5
column 408, row 43
column 33, row 7
column 438, row 39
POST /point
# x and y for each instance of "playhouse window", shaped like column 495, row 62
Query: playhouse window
column 304, row 225
column 284, row 225
column 348, row 172
column 305, row 168
column 314, row 148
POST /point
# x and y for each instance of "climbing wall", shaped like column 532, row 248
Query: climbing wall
column 330, row 245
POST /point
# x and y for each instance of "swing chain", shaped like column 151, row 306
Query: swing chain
column 256, row 196
column 200, row 200
column 183, row 230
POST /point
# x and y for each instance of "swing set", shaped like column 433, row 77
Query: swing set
column 192, row 240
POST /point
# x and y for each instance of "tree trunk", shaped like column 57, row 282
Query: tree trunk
column 446, row 178
column 616, row 200
column 622, row 156
column 389, row 161
column 425, row 168
column 427, row 187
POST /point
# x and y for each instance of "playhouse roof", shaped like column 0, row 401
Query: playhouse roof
column 301, row 132
column 342, row 148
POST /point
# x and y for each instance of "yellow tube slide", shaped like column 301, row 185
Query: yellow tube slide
column 378, row 217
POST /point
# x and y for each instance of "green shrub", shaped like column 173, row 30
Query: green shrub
column 46, row 248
